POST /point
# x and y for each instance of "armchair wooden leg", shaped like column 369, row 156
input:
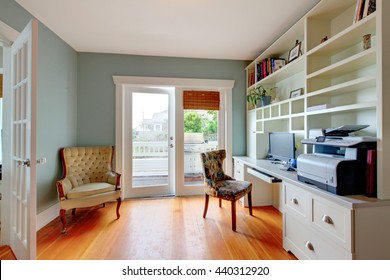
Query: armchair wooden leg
column 220, row 202
column 250, row 202
column 118, row 205
column 73, row 211
column 206, row 205
column 233, row 215
column 63, row 220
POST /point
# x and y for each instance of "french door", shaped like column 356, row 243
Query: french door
column 150, row 157
column 183, row 178
column 22, row 134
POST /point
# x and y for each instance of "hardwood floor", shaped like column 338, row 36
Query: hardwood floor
column 167, row 228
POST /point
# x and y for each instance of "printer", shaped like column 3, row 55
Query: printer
column 339, row 162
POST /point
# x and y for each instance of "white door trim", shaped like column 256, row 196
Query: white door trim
column 121, row 82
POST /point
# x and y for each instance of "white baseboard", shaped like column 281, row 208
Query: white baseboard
column 47, row 216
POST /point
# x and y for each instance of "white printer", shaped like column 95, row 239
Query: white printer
column 338, row 162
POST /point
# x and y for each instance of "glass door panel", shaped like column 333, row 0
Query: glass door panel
column 150, row 139
column 200, row 135
column 152, row 145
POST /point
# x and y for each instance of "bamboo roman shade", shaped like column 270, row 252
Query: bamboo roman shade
column 201, row 100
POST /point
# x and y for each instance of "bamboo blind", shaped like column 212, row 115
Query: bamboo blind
column 201, row 100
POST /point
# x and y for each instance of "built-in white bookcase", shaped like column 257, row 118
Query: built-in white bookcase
column 342, row 83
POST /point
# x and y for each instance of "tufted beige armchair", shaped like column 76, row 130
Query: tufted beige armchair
column 88, row 179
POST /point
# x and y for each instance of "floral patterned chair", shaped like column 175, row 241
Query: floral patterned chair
column 222, row 186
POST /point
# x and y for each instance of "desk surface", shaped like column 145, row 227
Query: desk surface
column 276, row 170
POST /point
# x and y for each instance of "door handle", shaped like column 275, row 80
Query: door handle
column 25, row 162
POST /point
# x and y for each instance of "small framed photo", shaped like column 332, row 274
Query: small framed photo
column 294, row 52
column 296, row 93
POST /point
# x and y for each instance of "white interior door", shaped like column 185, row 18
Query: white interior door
column 150, row 142
column 23, row 162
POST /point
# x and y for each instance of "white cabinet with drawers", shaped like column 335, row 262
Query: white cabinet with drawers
column 317, row 227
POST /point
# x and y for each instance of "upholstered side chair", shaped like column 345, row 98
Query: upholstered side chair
column 222, row 186
column 88, row 179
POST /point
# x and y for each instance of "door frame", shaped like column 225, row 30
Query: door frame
column 122, row 82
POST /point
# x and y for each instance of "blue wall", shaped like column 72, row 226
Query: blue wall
column 76, row 94
column 96, row 90
column 56, row 100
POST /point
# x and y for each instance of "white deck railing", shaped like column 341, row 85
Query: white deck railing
column 149, row 158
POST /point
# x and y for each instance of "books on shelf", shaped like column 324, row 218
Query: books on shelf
column 251, row 77
column 269, row 66
column 364, row 8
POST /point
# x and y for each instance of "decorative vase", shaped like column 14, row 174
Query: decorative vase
column 266, row 100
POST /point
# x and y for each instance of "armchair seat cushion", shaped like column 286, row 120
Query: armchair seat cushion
column 90, row 189
column 230, row 190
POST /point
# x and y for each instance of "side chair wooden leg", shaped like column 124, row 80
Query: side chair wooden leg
column 63, row 220
column 250, row 203
column 118, row 205
column 206, row 205
column 233, row 215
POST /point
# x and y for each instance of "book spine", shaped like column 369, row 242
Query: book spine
column 371, row 174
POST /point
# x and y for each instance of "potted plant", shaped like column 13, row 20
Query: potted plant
column 259, row 96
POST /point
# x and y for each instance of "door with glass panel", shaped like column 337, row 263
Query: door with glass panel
column 23, row 148
column 203, row 129
column 152, row 142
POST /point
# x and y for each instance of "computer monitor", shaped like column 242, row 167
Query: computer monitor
column 281, row 146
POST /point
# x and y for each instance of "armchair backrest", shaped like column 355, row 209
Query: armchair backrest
column 213, row 165
column 83, row 165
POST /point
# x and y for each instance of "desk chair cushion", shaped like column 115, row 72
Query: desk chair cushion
column 230, row 190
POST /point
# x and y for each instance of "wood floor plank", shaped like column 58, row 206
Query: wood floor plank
column 165, row 229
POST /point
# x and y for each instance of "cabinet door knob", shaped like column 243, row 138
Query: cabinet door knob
column 309, row 246
column 327, row 219
column 294, row 201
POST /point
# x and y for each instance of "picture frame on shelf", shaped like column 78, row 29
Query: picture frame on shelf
column 295, row 52
column 296, row 92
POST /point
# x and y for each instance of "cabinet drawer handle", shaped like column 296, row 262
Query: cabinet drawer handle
column 309, row 246
column 294, row 201
column 327, row 219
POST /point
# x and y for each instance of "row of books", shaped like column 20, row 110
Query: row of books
column 269, row 66
column 363, row 9
column 251, row 78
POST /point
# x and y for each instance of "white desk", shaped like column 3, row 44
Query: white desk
column 321, row 225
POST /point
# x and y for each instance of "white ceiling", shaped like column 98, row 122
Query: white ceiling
column 222, row 29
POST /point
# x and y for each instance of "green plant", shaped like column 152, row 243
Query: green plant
column 256, row 94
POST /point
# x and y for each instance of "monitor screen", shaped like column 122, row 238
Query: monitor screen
column 281, row 146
